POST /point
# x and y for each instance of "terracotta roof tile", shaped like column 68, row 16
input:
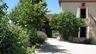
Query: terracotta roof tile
column 77, row 0
column 48, row 16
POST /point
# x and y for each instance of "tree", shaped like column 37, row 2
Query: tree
column 66, row 23
column 13, row 40
column 33, row 1
column 29, row 14
column 3, row 19
column 3, row 8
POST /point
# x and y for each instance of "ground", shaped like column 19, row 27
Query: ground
column 53, row 46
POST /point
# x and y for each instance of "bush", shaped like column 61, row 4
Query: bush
column 41, row 37
column 93, row 42
column 31, row 50
column 13, row 40
column 32, row 37
column 55, row 33
column 90, row 41
column 37, row 37
column 66, row 23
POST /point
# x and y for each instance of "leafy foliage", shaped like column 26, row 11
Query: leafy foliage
column 37, row 38
column 13, row 40
column 32, row 37
column 29, row 14
column 3, row 8
column 31, row 50
column 66, row 23
column 41, row 37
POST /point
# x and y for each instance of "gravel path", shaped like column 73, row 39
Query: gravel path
column 53, row 46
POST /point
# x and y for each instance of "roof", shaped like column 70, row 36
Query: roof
column 77, row 0
column 48, row 16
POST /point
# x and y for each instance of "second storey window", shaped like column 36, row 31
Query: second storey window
column 83, row 13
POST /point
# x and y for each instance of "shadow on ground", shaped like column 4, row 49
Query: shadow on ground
column 46, row 47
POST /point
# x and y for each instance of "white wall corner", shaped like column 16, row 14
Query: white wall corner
column 87, row 33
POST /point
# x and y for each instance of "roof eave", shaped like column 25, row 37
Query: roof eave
column 63, row 1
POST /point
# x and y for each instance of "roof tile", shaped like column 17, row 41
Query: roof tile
column 77, row 0
column 48, row 16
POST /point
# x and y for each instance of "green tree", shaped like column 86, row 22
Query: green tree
column 66, row 23
column 28, row 15
column 13, row 40
column 3, row 8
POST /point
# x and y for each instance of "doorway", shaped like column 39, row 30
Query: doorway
column 82, row 31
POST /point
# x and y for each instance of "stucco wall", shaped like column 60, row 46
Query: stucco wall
column 92, row 8
column 73, row 7
column 70, row 7
column 92, row 11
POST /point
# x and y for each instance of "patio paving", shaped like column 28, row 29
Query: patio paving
column 53, row 46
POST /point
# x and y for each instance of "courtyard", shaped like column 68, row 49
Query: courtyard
column 53, row 46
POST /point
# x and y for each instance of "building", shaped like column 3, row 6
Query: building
column 85, row 9
column 46, row 28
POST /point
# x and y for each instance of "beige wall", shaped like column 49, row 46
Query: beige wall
column 70, row 7
column 92, row 8
column 73, row 7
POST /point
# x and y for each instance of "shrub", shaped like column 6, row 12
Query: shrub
column 55, row 33
column 66, row 23
column 37, row 38
column 13, row 40
column 32, row 37
column 93, row 42
column 90, row 41
column 41, row 37
column 31, row 50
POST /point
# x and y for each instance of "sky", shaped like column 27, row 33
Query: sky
column 52, row 5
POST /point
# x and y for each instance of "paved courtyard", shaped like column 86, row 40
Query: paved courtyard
column 53, row 46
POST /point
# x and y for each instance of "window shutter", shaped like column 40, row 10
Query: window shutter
column 87, row 12
column 78, row 13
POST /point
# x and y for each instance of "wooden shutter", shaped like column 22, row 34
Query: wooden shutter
column 87, row 12
column 78, row 13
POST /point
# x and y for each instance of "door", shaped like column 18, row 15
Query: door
column 82, row 31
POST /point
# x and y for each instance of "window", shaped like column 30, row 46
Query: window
column 83, row 13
